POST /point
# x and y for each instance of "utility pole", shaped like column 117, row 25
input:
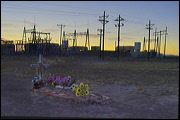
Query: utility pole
column 60, row 37
column 157, row 45
column 87, row 39
column 165, row 42
column 160, row 43
column 115, row 49
column 155, row 40
column 74, row 41
column 104, row 21
column 100, row 30
column 149, row 28
column 119, row 19
column 161, row 33
column 34, row 35
column 144, row 44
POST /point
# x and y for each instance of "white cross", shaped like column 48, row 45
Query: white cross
column 41, row 67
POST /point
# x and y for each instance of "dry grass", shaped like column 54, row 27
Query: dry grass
column 96, row 72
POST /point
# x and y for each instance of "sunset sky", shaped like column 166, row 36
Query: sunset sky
column 81, row 15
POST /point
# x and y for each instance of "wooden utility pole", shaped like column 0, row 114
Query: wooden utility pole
column 119, row 19
column 149, row 28
column 100, row 30
column 104, row 21
column 144, row 44
column 60, row 37
column 155, row 40
column 103, row 35
column 115, row 49
column 87, row 39
column 157, row 45
column 165, row 42
column 160, row 43
column 74, row 41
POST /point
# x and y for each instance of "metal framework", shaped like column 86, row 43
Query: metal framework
column 42, row 45
column 75, row 35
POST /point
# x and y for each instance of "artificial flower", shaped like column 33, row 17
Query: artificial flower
column 77, row 94
column 81, row 85
column 86, row 86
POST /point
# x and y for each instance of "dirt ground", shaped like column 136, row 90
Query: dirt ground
column 129, row 101
column 20, row 101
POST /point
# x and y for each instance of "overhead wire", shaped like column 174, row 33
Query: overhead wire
column 58, row 12
column 86, row 8
column 44, row 10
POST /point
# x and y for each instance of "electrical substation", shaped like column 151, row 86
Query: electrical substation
column 35, row 42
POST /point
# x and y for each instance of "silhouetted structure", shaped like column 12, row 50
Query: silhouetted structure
column 7, row 47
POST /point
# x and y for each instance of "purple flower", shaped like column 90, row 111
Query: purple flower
column 64, row 81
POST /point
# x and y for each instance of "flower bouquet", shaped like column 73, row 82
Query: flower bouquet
column 57, row 80
column 81, row 90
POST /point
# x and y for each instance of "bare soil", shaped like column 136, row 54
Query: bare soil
column 130, row 100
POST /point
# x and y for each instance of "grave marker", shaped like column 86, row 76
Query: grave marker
column 41, row 67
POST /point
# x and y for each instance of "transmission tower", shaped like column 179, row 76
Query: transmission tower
column 24, row 40
column 119, row 19
column 103, row 20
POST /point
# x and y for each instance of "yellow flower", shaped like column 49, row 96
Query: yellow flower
column 81, row 90
column 77, row 93
column 74, row 89
column 75, row 86
column 82, row 93
column 81, row 85
column 78, row 90
column 86, row 86
column 52, row 83
column 86, row 92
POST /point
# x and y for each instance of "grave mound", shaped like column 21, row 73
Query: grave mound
column 67, row 94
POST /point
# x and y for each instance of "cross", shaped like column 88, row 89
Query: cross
column 41, row 67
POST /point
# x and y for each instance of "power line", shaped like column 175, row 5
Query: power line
column 43, row 13
column 46, row 10
column 70, row 6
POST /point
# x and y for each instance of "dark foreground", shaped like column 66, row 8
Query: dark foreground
column 17, row 101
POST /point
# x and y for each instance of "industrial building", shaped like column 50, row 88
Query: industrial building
column 7, row 47
column 95, row 48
